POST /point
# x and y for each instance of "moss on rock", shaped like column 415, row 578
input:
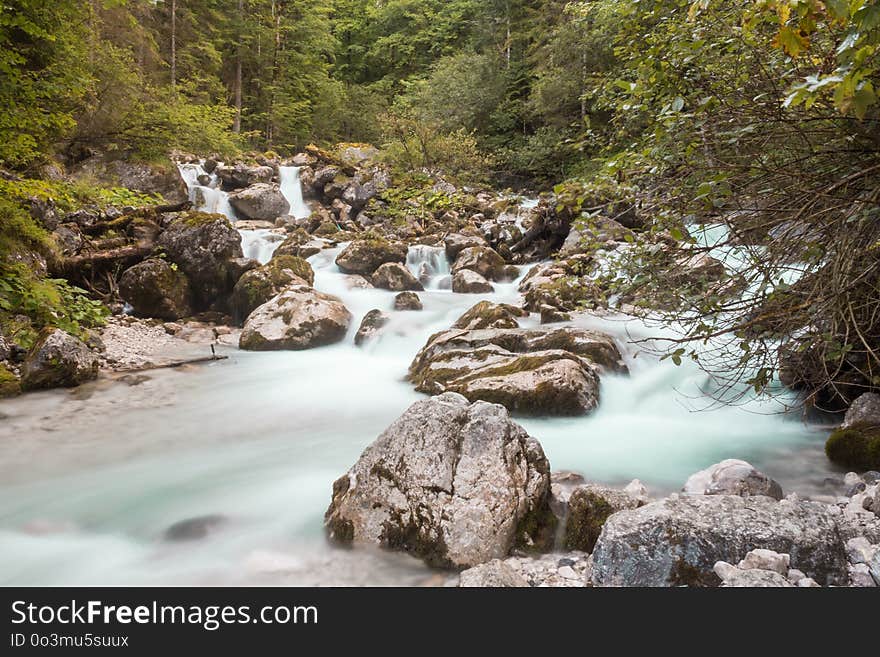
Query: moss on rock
column 856, row 447
column 9, row 383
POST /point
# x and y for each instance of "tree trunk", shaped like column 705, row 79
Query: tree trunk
column 236, row 125
column 174, row 43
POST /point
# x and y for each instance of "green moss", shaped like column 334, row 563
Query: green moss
column 856, row 447
column 194, row 219
column 295, row 264
column 684, row 574
column 536, row 531
column 9, row 383
column 587, row 515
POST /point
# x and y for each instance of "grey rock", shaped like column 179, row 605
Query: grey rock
column 156, row 289
column 205, row 247
column 242, row 175
column 762, row 559
column 677, row 541
column 493, row 574
column 455, row 243
column 395, row 277
column 370, row 326
column 454, row 483
column 366, row 256
column 298, row 318
column 532, row 371
column 865, row 410
column 407, row 301
column 263, row 201
column 486, row 262
column 732, row 477
column 58, row 360
column 470, row 282
column 754, row 578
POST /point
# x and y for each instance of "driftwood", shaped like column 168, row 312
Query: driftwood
column 176, row 363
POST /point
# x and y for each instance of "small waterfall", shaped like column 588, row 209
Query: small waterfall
column 291, row 188
column 257, row 244
column 430, row 265
column 260, row 244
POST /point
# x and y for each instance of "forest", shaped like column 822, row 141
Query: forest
column 706, row 171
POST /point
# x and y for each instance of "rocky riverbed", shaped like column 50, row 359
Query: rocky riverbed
column 197, row 436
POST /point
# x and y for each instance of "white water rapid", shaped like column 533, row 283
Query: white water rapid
column 92, row 479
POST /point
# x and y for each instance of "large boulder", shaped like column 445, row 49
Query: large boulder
column 208, row 250
column 262, row 201
column 156, row 288
column 58, row 360
column 732, row 477
column 395, row 277
column 678, row 540
column 486, row 262
column 365, row 256
column 466, row 281
column 530, row 371
column 298, row 318
column 259, row 285
column 454, row 483
column 242, row 175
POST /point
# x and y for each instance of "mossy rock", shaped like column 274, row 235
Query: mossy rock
column 589, row 507
column 856, row 447
column 195, row 218
column 258, row 286
column 9, row 383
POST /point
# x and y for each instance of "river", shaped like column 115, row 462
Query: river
column 91, row 479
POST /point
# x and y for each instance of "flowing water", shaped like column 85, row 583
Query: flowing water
column 91, row 479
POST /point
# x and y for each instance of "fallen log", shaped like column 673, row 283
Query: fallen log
column 74, row 266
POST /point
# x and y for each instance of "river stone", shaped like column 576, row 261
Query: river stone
column 367, row 255
column 395, row 277
column 493, row 574
column 678, row 540
column 261, row 201
column 486, row 315
column 470, row 282
column 193, row 529
column 370, row 326
column 457, row 242
column 753, row 578
column 206, row 248
column 259, row 285
column 298, row 318
column 156, row 289
column 530, row 371
column 864, row 411
column 58, row 360
column 242, row 175
column 732, row 477
column 454, row 483
column 407, row 301
column 486, row 262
